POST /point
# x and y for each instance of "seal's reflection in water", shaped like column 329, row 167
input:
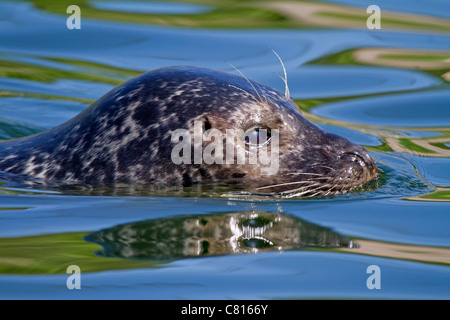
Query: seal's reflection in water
column 213, row 235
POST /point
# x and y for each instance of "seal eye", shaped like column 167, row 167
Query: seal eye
column 257, row 137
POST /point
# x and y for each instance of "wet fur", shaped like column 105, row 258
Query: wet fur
column 125, row 136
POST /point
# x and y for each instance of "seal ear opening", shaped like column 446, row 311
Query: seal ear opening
column 206, row 124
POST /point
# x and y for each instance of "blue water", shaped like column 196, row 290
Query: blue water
column 150, row 7
column 437, row 8
column 371, row 105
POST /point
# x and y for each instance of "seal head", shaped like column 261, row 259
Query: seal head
column 151, row 128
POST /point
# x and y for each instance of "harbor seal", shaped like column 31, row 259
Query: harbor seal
column 127, row 137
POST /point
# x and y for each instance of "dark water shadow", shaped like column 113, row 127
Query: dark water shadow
column 214, row 235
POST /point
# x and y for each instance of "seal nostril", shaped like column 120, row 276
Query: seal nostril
column 362, row 158
column 365, row 161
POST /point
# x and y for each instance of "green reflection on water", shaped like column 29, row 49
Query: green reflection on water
column 411, row 146
column 391, row 22
column 258, row 14
column 440, row 194
column 18, row 70
column 214, row 235
column 435, row 63
column 53, row 253
column 224, row 14
column 9, row 130
column 153, row 243
column 81, row 70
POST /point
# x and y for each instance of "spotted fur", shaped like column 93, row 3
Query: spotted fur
column 125, row 136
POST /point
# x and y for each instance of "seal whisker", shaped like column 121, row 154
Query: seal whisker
column 320, row 186
column 316, row 177
column 260, row 99
column 306, row 188
column 264, row 94
column 294, row 190
column 301, row 193
column 315, row 194
column 243, row 90
column 307, row 173
column 286, row 92
column 323, row 166
column 329, row 191
column 315, row 165
column 283, row 184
